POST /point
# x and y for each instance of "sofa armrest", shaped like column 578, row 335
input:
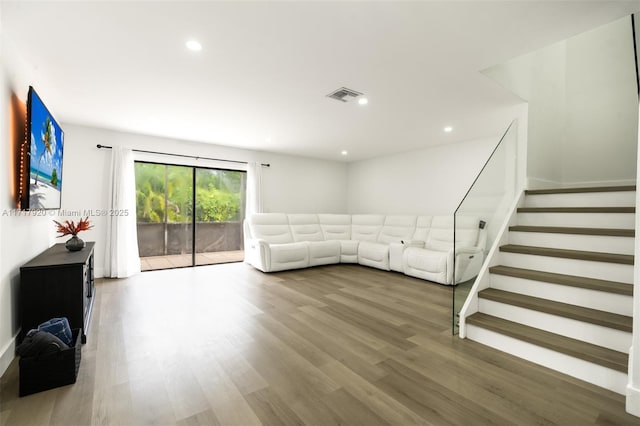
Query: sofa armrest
column 468, row 263
column 395, row 256
column 396, row 251
column 257, row 253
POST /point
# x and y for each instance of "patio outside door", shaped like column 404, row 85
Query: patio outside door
column 219, row 200
column 165, row 198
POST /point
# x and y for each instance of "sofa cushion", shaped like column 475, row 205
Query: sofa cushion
column 366, row 227
column 426, row 264
column 288, row 256
column 271, row 227
column 397, row 229
column 466, row 230
column 373, row 254
column 335, row 226
column 349, row 251
column 423, row 225
column 305, row 227
column 324, row 252
column 438, row 245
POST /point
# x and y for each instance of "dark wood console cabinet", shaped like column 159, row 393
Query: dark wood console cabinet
column 57, row 283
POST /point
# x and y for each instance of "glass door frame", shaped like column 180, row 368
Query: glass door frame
column 194, row 169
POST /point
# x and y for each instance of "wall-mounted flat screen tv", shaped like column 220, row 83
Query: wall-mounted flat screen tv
column 45, row 141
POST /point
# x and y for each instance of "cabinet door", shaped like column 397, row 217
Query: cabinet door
column 47, row 293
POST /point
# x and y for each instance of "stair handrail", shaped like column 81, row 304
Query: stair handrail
column 484, row 166
column 494, row 216
column 635, row 51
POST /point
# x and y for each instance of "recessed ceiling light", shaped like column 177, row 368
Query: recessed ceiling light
column 344, row 152
column 448, row 129
column 363, row 101
column 193, row 45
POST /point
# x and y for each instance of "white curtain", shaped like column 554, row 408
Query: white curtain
column 254, row 188
column 122, row 259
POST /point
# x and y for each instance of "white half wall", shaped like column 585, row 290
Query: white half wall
column 602, row 106
column 292, row 184
column 583, row 109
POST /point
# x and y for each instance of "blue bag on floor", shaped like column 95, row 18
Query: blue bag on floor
column 59, row 327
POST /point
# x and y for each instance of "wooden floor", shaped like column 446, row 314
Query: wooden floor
column 154, row 263
column 332, row 345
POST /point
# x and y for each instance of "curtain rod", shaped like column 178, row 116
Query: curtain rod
column 187, row 156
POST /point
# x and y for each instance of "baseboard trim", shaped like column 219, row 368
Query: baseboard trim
column 8, row 354
column 537, row 183
column 632, row 392
column 633, row 401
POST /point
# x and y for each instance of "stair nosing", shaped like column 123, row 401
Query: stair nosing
column 609, row 232
column 593, row 256
column 585, row 351
column 579, row 313
column 576, row 210
column 623, row 188
column 613, row 287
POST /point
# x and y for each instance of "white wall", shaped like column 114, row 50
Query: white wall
column 602, row 106
column 435, row 180
column 22, row 236
column 582, row 107
column 291, row 184
column 429, row 181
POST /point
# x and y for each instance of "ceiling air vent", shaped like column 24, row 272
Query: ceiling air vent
column 343, row 94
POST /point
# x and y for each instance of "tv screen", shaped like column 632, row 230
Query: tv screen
column 45, row 141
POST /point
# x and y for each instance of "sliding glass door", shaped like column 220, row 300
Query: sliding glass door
column 219, row 200
column 166, row 196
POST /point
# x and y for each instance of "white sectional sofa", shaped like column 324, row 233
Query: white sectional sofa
column 419, row 246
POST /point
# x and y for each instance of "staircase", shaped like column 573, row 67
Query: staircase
column 561, row 292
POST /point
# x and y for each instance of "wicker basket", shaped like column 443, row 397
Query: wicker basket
column 51, row 371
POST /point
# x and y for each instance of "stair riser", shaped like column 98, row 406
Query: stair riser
column 582, row 268
column 598, row 243
column 587, row 199
column 598, row 375
column 585, row 220
column 594, row 299
column 596, row 334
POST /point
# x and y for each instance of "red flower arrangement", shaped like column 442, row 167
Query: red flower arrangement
column 70, row 228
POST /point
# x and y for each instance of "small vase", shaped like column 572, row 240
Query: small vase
column 74, row 244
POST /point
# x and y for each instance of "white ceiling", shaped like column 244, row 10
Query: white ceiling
column 266, row 67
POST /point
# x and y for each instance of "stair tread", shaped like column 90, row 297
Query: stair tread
column 576, row 209
column 625, row 259
column 580, row 190
column 562, row 279
column 612, row 232
column 593, row 316
column 596, row 354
